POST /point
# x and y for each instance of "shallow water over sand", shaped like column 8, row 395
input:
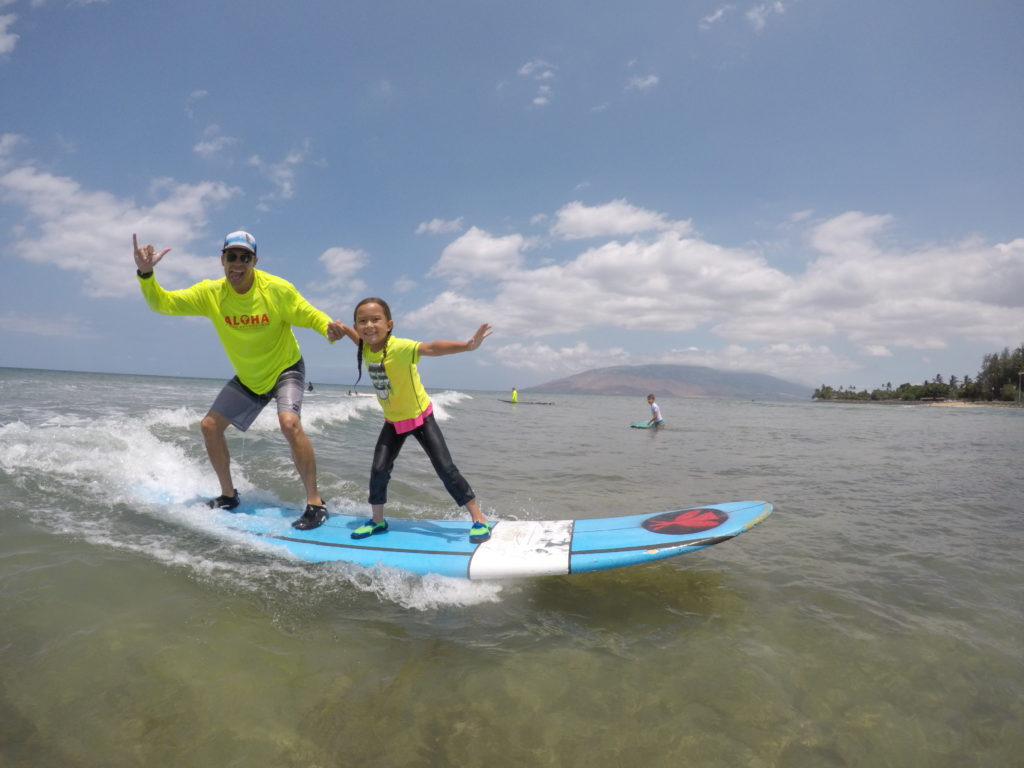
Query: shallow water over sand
column 875, row 619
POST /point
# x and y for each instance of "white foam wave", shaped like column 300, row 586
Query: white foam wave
column 114, row 455
column 276, row 570
column 321, row 413
column 101, row 474
column 179, row 418
column 406, row 590
column 421, row 593
column 444, row 400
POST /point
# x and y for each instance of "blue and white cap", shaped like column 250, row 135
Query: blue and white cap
column 240, row 239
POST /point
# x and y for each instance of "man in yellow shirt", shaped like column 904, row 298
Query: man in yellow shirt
column 252, row 312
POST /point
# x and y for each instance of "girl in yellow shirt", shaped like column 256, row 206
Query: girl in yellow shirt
column 391, row 363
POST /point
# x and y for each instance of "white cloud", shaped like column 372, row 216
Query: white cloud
column 90, row 232
column 478, row 254
column 850, row 234
column 1014, row 248
column 47, row 326
column 575, row 220
column 538, row 69
column 8, row 40
column 341, row 264
column 555, row 362
column 67, row 145
column 439, row 226
column 8, row 143
column 879, row 295
column 876, row 350
column 857, row 291
column 543, row 74
column 718, row 15
column 281, row 173
column 194, row 98
column 792, row 362
column 214, row 143
column 670, row 282
column 758, row 14
column 341, row 287
column 404, row 284
column 642, row 83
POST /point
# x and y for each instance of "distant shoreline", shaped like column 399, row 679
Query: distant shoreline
column 929, row 403
column 962, row 404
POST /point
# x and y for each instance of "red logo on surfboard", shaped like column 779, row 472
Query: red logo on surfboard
column 685, row 521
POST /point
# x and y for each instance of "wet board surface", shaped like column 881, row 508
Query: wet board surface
column 516, row 549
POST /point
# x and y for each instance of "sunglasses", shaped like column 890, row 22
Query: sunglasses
column 244, row 256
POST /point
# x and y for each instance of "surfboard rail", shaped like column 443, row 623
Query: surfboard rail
column 516, row 549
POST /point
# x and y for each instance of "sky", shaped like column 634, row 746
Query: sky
column 827, row 191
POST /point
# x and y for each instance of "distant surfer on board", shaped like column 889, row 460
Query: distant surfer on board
column 515, row 395
column 391, row 363
column 253, row 313
column 656, row 420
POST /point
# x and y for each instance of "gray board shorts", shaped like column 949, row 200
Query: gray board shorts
column 240, row 405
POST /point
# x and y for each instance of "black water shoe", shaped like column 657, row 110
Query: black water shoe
column 313, row 517
column 224, row 502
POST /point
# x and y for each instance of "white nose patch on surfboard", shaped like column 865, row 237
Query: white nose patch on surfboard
column 523, row 548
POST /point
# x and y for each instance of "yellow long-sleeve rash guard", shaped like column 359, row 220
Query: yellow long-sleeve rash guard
column 254, row 327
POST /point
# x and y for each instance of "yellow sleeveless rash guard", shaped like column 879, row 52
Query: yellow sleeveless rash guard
column 254, row 327
column 397, row 383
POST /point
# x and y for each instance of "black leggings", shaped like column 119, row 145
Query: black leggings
column 389, row 444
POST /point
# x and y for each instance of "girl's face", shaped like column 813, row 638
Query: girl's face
column 372, row 325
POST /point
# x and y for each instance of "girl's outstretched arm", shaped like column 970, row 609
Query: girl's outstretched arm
column 442, row 347
column 337, row 329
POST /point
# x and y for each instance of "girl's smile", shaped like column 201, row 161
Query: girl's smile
column 372, row 325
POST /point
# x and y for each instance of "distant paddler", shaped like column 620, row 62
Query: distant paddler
column 656, row 419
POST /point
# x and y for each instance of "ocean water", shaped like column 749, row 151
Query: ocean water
column 876, row 619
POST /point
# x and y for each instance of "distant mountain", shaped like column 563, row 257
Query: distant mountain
column 676, row 380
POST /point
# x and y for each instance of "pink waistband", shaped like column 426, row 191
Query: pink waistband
column 408, row 425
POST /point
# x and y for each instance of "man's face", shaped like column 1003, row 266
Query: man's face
column 238, row 265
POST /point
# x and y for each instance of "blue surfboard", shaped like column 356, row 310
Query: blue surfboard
column 516, row 549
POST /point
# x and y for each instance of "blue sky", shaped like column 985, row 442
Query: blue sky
column 829, row 191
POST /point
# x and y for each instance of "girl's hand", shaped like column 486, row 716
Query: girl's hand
column 335, row 330
column 338, row 330
column 481, row 333
column 443, row 347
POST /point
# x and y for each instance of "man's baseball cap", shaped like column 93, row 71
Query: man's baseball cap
column 242, row 240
